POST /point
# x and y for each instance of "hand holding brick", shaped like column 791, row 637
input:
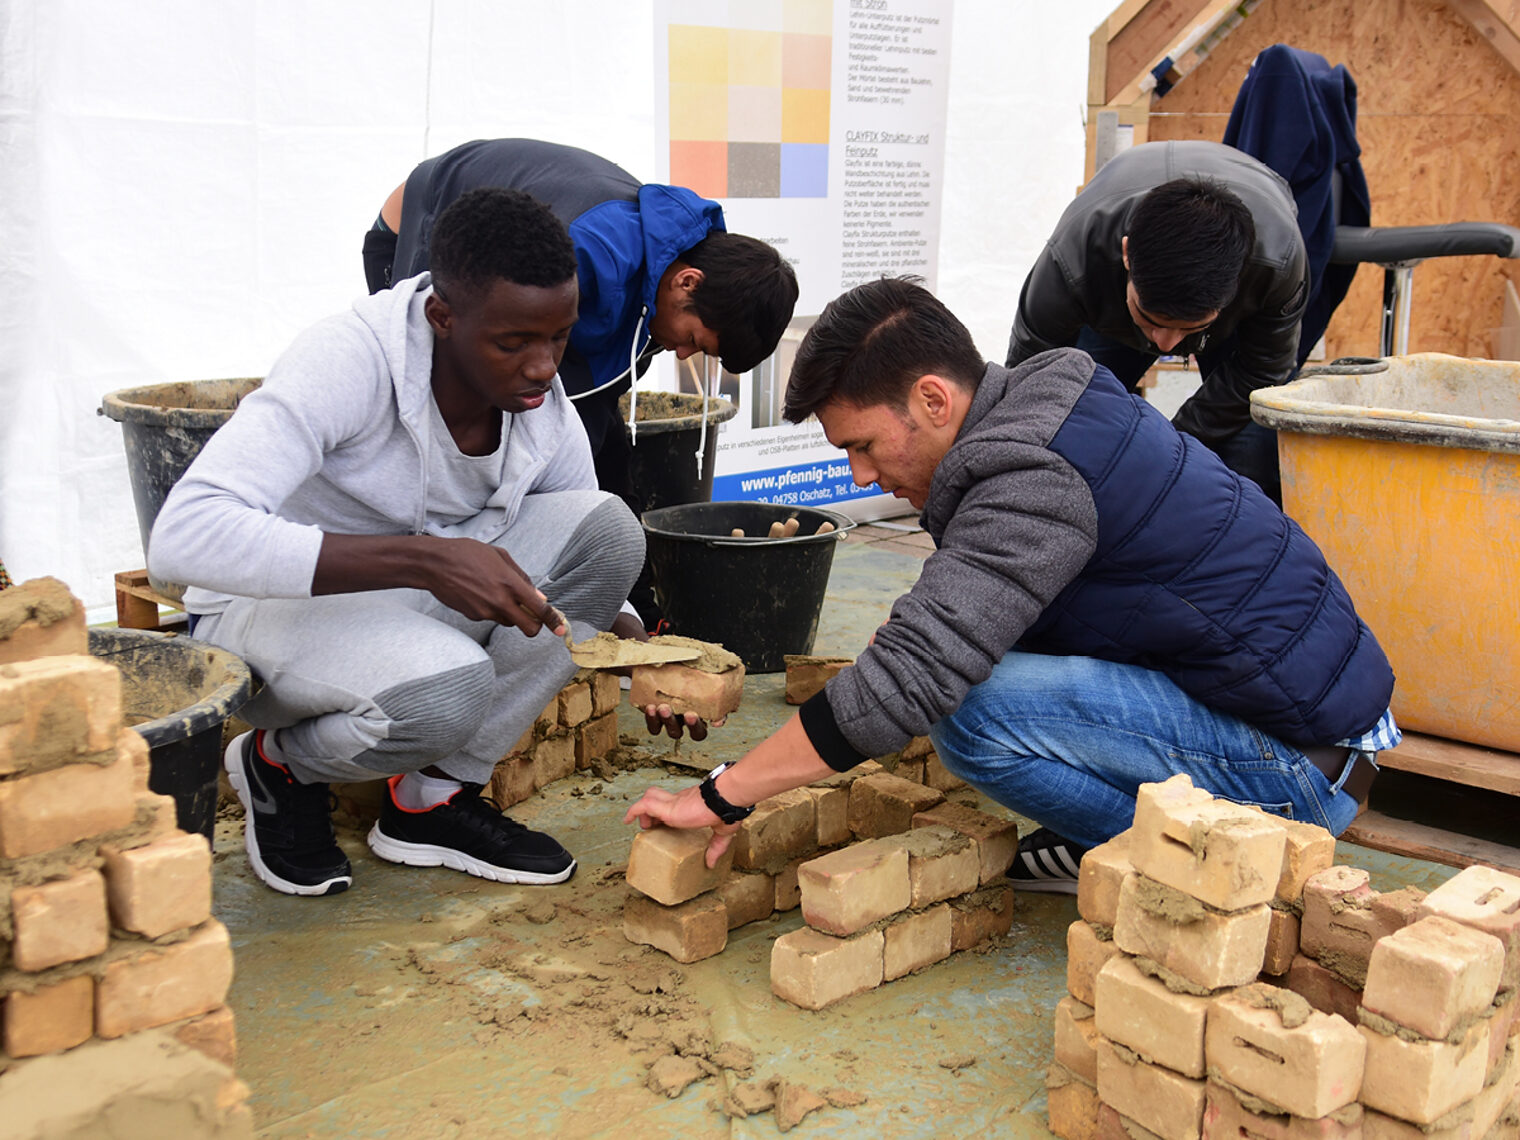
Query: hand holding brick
column 670, row 864
column 711, row 696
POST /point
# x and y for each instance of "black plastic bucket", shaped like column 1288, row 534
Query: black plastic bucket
column 176, row 694
column 760, row 597
column 663, row 467
column 164, row 427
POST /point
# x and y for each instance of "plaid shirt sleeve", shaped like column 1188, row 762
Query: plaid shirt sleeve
column 1385, row 734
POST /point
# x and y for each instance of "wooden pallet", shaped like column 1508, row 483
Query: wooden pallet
column 1463, row 770
column 138, row 604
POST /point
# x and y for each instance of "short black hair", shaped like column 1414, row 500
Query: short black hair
column 494, row 234
column 872, row 344
column 1188, row 243
column 747, row 295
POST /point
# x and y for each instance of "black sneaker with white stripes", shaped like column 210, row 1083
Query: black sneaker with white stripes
column 1046, row 862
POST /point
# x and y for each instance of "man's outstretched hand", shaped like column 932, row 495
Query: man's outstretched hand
column 684, row 809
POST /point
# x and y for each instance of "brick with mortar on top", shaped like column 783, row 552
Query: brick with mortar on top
column 669, row 864
column 1141, row 1014
column 1073, row 1104
column 1086, row 954
column 831, row 812
column 1270, row 1043
column 885, row 804
column 574, row 704
column 1077, row 1038
column 1210, row 949
column 980, row 916
column 849, row 889
column 1307, row 850
column 688, row 931
column 1341, row 923
column 553, row 758
column 1221, row 853
column 164, row 984
column 712, row 696
column 60, row 921
column 48, row 810
column 1226, row 1117
column 606, row 691
column 812, row 969
column 942, row 864
column 1487, row 900
column 1156, row 1098
column 1421, row 1081
column 779, row 830
column 595, row 740
column 1433, row 975
column 914, row 941
column 1100, row 876
column 45, row 620
column 996, row 839
column 1322, row 988
column 58, row 710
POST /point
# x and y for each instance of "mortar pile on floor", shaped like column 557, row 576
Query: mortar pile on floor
column 1227, row 980
column 113, row 973
column 904, row 879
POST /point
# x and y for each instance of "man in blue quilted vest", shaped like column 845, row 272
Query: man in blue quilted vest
column 1107, row 605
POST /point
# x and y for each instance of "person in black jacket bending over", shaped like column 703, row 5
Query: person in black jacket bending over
column 1186, row 249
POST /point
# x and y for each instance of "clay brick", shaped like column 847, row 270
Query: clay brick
column 688, row 931
column 51, row 1019
column 980, row 916
column 1307, row 850
column 1433, row 975
column 512, row 780
column 886, row 804
column 996, row 839
column 1305, row 1062
column 1086, row 954
column 938, row 777
column 915, row 941
column 1102, row 874
column 910, row 770
column 606, row 692
column 1322, row 988
column 1144, row 1016
column 747, row 897
column 1221, row 853
column 806, row 675
column 1487, row 900
column 712, row 696
column 595, row 740
column 917, row 748
column 1340, row 925
column 61, row 921
column 1076, row 1038
column 670, row 864
column 553, row 758
column 48, row 810
column 1282, row 943
column 1395, row 910
column 1212, row 950
column 135, row 748
column 780, row 829
column 1156, row 1098
column 214, row 1034
column 811, row 969
column 1072, row 1105
column 831, row 811
column 165, row 984
column 44, row 620
column 548, row 720
column 941, row 864
column 573, row 704
column 855, row 886
column 1479, row 1117
column 788, row 891
column 1421, row 1081
column 58, row 710
column 161, row 887
column 156, row 814
column 1501, row 1024
column 1225, row 1118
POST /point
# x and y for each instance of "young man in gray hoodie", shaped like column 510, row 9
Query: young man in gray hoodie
column 380, row 530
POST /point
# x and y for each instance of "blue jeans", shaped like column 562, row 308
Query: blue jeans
column 1067, row 741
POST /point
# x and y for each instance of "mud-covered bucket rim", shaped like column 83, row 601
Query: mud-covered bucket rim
column 145, row 403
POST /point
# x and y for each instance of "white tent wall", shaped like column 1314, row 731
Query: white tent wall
column 184, row 186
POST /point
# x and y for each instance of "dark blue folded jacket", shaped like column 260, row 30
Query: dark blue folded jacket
column 626, row 234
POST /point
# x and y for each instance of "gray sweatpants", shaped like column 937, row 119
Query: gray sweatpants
column 371, row 684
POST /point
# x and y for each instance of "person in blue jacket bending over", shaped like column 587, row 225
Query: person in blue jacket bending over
column 657, row 269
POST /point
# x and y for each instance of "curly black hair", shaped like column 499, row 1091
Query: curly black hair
column 494, row 234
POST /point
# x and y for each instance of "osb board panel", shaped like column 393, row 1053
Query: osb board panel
column 1143, row 38
column 1438, row 111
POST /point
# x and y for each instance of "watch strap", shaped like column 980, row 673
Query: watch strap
column 720, row 807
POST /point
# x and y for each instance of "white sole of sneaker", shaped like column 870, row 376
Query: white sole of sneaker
column 232, row 760
column 429, row 855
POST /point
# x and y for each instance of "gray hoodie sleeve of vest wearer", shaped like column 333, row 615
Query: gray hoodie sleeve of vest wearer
column 1014, row 523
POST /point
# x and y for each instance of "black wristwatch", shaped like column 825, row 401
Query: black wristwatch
column 727, row 812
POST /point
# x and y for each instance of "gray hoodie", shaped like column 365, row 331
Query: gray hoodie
column 336, row 440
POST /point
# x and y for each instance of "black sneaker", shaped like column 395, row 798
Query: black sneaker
column 288, row 832
column 1046, row 862
column 467, row 833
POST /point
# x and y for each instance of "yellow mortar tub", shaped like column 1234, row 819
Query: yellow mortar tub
column 1406, row 472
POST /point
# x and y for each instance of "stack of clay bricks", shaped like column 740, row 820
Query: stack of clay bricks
column 1167, row 1030
column 577, row 727
column 105, row 930
column 861, row 818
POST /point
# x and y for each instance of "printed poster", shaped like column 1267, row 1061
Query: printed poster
column 819, row 126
